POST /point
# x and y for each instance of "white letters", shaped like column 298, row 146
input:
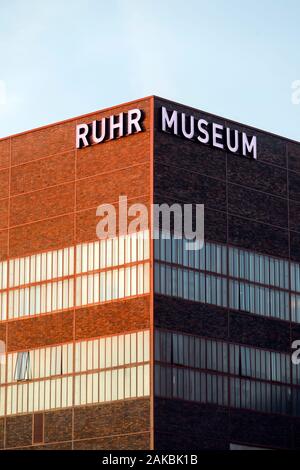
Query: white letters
column 201, row 123
column 188, row 135
column 249, row 147
column 217, row 135
column 232, row 148
column 116, row 126
column 111, row 128
column 82, row 131
column 95, row 127
column 169, row 122
column 134, row 118
column 208, row 133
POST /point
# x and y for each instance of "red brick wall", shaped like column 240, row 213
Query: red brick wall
column 49, row 193
column 50, row 183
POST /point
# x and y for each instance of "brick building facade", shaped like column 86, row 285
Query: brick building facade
column 133, row 344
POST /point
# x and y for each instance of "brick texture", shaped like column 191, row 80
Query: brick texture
column 18, row 431
column 54, row 191
column 58, row 426
column 48, row 200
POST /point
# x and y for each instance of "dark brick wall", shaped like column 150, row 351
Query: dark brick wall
column 181, row 425
column 253, row 204
column 261, row 429
column 189, row 426
column 190, row 317
column 216, row 322
column 252, row 195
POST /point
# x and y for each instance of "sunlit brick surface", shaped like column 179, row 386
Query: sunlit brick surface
column 216, row 371
column 49, row 192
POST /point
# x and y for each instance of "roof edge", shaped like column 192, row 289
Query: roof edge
column 63, row 121
column 273, row 134
column 86, row 115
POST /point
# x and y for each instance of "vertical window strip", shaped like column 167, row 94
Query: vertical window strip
column 56, row 393
column 262, row 396
column 113, row 284
column 29, row 395
column 202, row 287
column 111, row 385
column 295, row 277
column 261, row 300
column 193, row 385
column 190, row 385
column 243, row 264
column 93, row 354
column 39, row 299
column 92, row 256
column 203, row 353
column 3, row 275
column 41, row 267
column 108, row 253
column 190, row 285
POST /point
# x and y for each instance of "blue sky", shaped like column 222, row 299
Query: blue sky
column 62, row 58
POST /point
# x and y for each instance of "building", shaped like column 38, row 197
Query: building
column 135, row 343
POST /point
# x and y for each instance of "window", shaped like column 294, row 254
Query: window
column 22, row 370
column 107, row 253
column 295, row 277
column 295, row 308
column 179, row 273
column 112, row 351
column 40, row 299
column 183, row 361
column 3, row 275
column 191, row 351
column 260, row 396
column 3, row 301
column 51, row 276
column 191, row 285
column 41, row 267
column 110, row 285
column 110, row 385
column 107, row 368
column 191, row 385
column 211, row 257
column 259, row 300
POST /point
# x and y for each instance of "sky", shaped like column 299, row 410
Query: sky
column 63, row 58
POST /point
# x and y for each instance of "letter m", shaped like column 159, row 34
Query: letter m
column 169, row 124
column 162, row 212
